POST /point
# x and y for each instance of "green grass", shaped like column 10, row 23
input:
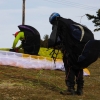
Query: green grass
column 30, row 84
column 46, row 52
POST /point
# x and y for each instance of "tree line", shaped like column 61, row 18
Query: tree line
column 44, row 42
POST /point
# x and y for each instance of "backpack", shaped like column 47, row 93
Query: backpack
column 81, row 33
column 91, row 49
column 31, row 44
column 89, row 54
column 86, row 49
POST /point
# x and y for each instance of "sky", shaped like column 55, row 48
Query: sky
column 37, row 14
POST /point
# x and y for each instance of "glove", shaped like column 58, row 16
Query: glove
column 14, row 50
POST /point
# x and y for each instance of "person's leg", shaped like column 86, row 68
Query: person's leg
column 69, row 80
column 79, row 81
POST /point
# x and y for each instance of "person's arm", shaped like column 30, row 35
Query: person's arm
column 17, row 38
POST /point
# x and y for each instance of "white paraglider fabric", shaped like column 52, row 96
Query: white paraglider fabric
column 31, row 61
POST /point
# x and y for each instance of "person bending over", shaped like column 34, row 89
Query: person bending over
column 30, row 40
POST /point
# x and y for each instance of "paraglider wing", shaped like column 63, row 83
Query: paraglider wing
column 32, row 61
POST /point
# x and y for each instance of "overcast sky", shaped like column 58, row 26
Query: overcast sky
column 37, row 15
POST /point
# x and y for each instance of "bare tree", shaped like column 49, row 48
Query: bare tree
column 23, row 12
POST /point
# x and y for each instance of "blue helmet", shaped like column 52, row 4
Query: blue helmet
column 53, row 17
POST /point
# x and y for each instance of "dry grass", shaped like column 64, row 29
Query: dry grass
column 30, row 84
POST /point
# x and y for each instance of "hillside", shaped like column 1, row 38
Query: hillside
column 30, row 84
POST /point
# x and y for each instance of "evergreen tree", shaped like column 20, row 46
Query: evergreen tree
column 44, row 42
column 46, row 37
column 96, row 20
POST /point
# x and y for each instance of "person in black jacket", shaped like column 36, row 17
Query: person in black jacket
column 71, row 38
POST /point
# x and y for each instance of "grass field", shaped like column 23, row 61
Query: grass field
column 30, row 84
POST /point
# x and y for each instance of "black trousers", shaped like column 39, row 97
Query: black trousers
column 73, row 76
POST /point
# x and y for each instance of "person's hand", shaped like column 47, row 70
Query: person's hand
column 14, row 50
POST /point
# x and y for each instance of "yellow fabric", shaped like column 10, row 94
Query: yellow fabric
column 20, row 36
column 38, row 57
column 86, row 71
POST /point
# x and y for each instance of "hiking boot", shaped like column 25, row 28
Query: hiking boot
column 70, row 91
column 79, row 91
